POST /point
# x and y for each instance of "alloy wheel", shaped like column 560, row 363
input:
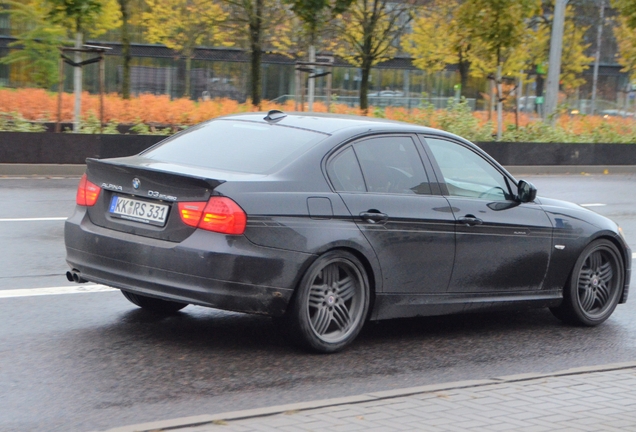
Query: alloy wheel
column 597, row 282
column 336, row 300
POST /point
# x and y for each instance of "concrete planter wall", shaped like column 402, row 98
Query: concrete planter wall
column 66, row 148
column 513, row 154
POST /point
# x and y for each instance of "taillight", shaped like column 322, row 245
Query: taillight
column 87, row 193
column 219, row 214
column 191, row 212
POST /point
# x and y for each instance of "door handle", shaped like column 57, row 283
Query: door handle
column 470, row 220
column 372, row 216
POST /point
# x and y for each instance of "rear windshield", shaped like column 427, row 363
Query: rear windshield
column 234, row 145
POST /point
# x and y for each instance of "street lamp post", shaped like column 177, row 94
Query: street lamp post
column 554, row 62
column 597, row 57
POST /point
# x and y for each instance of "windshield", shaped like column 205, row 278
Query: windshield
column 234, row 145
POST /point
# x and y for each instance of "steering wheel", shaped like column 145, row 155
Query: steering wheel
column 491, row 190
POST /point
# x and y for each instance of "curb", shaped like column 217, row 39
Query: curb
column 367, row 397
column 41, row 170
column 518, row 170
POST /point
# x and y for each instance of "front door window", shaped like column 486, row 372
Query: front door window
column 467, row 174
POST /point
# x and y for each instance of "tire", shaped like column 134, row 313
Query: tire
column 594, row 286
column 155, row 305
column 330, row 305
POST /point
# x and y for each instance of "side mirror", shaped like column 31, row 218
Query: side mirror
column 526, row 192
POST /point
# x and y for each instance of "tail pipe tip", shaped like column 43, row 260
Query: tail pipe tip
column 74, row 276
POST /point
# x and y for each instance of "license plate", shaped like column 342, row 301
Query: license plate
column 139, row 211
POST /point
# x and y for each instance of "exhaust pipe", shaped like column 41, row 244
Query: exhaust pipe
column 74, row 276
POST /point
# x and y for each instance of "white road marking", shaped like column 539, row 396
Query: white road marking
column 633, row 255
column 33, row 219
column 593, row 205
column 79, row 289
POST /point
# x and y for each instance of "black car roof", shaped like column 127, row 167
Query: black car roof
column 330, row 123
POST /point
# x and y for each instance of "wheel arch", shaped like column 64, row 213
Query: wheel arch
column 593, row 309
column 611, row 237
column 373, row 274
column 370, row 275
column 626, row 262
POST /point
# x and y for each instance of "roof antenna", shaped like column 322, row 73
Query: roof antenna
column 274, row 115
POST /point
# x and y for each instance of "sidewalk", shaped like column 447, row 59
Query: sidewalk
column 601, row 398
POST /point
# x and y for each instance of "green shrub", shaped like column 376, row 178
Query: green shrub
column 14, row 122
column 92, row 124
column 458, row 118
column 536, row 132
column 144, row 129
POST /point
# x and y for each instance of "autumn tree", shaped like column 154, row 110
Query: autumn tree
column 438, row 40
column 131, row 19
column 124, row 9
column 315, row 14
column 536, row 47
column 627, row 10
column 83, row 17
column 500, row 27
column 182, row 25
column 253, row 24
column 625, row 33
column 626, row 40
column 36, row 46
column 370, row 32
column 574, row 61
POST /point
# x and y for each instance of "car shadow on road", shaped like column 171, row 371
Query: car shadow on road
column 205, row 352
column 204, row 328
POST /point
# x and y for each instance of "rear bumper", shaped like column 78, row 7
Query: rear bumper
column 208, row 269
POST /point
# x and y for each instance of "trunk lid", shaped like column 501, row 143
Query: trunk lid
column 139, row 196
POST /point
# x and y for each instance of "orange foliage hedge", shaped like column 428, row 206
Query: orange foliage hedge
column 40, row 105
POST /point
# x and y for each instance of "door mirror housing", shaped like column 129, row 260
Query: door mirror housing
column 526, row 192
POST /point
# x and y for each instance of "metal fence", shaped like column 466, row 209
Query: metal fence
column 386, row 101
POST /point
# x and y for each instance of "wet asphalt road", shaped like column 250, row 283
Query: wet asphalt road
column 93, row 361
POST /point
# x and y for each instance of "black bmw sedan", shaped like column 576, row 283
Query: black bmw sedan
column 325, row 222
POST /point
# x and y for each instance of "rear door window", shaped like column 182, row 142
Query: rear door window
column 392, row 165
column 344, row 172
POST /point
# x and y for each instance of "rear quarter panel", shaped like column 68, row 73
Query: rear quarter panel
column 279, row 217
